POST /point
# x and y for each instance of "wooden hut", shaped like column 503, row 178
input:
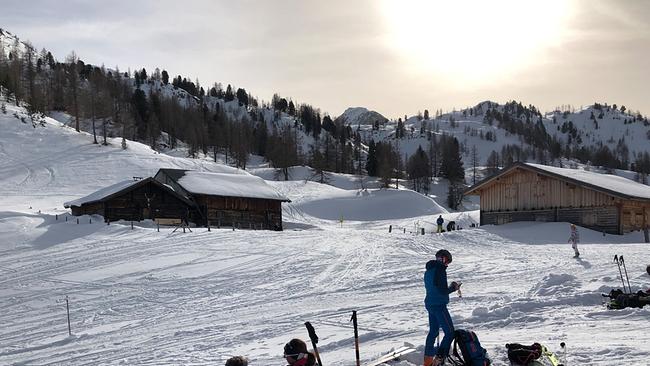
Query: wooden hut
column 239, row 200
column 136, row 200
column 533, row 192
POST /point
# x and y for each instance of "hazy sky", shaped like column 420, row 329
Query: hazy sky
column 394, row 56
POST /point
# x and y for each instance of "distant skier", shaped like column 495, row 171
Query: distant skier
column 574, row 239
column 296, row 354
column 440, row 221
column 237, row 361
column 451, row 226
column 436, row 300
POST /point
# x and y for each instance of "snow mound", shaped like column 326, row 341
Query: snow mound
column 371, row 205
column 554, row 284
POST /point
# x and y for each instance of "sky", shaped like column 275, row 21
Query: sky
column 397, row 57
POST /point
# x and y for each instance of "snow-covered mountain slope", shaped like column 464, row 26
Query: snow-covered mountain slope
column 355, row 116
column 601, row 124
column 624, row 132
column 9, row 42
column 143, row 297
column 54, row 159
column 593, row 126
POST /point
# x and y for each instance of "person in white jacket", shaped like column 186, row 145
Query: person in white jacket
column 574, row 239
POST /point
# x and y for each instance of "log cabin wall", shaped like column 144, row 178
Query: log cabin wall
column 96, row 208
column 244, row 213
column 147, row 202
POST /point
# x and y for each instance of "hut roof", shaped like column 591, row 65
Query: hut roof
column 228, row 185
column 113, row 190
column 606, row 183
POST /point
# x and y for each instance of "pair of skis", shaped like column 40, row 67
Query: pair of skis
column 621, row 263
column 394, row 355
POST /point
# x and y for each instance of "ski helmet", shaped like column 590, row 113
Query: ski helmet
column 444, row 253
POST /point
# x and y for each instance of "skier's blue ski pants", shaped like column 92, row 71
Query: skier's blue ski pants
column 439, row 318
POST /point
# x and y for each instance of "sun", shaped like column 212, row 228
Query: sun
column 473, row 41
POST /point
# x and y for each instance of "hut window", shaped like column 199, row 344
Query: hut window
column 589, row 218
column 639, row 218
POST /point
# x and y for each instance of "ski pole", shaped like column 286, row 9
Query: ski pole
column 619, row 270
column 314, row 340
column 625, row 268
column 356, row 336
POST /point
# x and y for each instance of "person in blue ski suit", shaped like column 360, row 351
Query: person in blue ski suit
column 436, row 300
column 440, row 221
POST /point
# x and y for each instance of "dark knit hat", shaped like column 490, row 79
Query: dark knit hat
column 444, row 253
column 295, row 347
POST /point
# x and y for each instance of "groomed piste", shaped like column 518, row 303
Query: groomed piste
column 142, row 297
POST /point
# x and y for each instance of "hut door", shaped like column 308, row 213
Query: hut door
column 146, row 213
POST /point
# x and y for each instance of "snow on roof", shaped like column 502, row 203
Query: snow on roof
column 228, row 185
column 102, row 193
column 623, row 186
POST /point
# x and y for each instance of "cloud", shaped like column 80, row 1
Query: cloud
column 334, row 54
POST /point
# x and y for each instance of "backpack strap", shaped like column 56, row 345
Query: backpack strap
column 455, row 359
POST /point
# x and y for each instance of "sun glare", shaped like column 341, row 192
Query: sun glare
column 473, row 42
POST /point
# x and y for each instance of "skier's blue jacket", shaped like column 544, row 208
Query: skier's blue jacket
column 440, row 221
column 435, row 282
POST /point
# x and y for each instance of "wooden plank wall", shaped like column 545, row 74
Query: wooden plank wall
column 244, row 213
column 523, row 195
column 96, row 208
column 525, row 190
column 635, row 216
column 133, row 206
column 603, row 219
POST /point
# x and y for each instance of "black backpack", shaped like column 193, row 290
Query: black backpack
column 467, row 350
column 520, row 354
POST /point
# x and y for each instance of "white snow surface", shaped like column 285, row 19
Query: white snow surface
column 143, row 297
column 229, row 185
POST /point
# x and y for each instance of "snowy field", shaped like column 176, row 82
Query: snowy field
column 142, row 297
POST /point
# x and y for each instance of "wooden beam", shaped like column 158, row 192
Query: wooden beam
column 646, row 235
